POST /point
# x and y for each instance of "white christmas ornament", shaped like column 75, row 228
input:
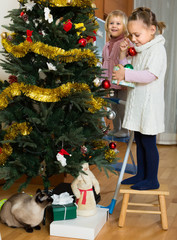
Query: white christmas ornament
column 60, row 157
column 97, row 82
column 43, row 33
column 51, row 67
column 42, row 75
column 29, row 5
column 111, row 115
column 48, row 16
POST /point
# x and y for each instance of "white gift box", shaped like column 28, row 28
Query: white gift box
column 81, row 227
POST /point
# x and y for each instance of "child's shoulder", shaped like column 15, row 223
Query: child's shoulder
column 158, row 48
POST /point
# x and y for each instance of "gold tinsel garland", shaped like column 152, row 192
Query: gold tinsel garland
column 66, row 3
column 12, row 132
column 48, row 95
column 49, row 52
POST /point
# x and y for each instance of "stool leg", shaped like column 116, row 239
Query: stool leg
column 163, row 212
column 123, row 209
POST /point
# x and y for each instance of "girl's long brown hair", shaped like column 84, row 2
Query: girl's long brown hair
column 148, row 17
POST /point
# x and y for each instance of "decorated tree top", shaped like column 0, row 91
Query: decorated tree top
column 50, row 103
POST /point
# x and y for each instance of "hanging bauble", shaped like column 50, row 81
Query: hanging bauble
column 128, row 66
column 106, row 84
column 42, row 169
column 22, row 13
column 4, row 35
column 68, row 1
column 58, row 21
column 111, row 115
column 9, row 38
column 92, row 37
column 82, row 42
column 111, row 93
column 24, row 17
column 132, row 51
column 83, row 149
column 12, row 79
column 104, row 130
column 67, row 25
column 96, row 82
column 112, row 145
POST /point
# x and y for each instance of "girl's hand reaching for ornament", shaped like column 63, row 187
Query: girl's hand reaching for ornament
column 123, row 48
column 119, row 75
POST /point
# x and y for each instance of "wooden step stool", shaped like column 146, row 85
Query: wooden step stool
column 161, row 192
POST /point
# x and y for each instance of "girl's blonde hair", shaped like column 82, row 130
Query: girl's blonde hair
column 116, row 13
column 148, row 18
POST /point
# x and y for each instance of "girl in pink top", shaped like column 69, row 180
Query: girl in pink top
column 116, row 29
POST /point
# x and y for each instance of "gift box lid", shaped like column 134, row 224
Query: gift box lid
column 70, row 205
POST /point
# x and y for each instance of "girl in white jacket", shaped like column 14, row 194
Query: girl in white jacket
column 144, row 113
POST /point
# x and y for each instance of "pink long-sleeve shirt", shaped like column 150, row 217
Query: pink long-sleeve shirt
column 131, row 75
column 110, row 54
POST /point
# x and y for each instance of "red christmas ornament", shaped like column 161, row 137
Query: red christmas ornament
column 93, row 37
column 131, row 51
column 21, row 14
column 0, row 150
column 12, row 79
column 67, row 25
column 112, row 145
column 106, row 84
column 82, row 42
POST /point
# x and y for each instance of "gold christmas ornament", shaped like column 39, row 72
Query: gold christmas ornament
column 69, row 2
column 4, row 35
column 93, row 5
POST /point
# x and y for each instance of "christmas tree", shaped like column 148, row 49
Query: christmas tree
column 52, row 105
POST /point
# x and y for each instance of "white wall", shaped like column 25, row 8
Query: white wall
column 6, row 5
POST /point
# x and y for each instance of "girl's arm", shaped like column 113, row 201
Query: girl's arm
column 130, row 75
column 123, row 61
column 123, row 48
column 143, row 76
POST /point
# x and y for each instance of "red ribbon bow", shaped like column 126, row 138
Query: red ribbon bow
column 29, row 34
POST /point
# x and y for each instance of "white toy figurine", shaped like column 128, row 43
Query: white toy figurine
column 60, row 157
column 82, row 189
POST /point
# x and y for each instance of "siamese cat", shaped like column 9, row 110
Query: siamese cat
column 22, row 210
